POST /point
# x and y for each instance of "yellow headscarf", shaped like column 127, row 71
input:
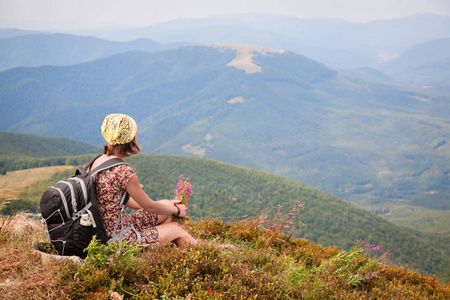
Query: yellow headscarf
column 118, row 129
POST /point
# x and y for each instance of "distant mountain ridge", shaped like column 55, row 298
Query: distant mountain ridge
column 13, row 32
column 352, row 47
column 32, row 50
column 424, row 65
column 336, row 43
column 293, row 116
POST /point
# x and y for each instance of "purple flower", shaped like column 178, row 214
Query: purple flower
column 373, row 247
column 183, row 191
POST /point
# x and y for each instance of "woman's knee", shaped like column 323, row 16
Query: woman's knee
column 173, row 232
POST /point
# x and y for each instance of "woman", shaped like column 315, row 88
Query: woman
column 154, row 220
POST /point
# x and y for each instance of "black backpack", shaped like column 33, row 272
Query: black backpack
column 71, row 214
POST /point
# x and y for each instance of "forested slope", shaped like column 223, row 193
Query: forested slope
column 229, row 193
column 24, row 151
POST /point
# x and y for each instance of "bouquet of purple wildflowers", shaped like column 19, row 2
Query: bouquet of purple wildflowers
column 183, row 191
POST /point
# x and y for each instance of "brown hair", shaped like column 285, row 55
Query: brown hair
column 127, row 149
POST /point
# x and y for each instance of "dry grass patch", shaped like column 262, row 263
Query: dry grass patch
column 237, row 261
column 244, row 55
column 13, row 183
column 22, row 273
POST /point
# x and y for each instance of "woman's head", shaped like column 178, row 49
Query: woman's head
column 119, row 131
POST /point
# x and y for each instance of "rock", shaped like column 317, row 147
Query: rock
column 47, row 257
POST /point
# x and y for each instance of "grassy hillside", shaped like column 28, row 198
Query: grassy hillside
column 243, row 260
column 231, row 193
column 420, row 218
column 24, row 151
column 241, row 192
column 27, row 145
column 14, row 183
column 21, row 190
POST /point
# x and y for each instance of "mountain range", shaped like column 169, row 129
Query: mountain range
column 31, row 49
column 370, row 50
column 266, row 109
column 336, row 43
column 425, row 65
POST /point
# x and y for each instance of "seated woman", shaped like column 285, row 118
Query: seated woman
column 154, row 220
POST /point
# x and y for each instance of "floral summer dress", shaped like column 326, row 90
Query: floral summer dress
column 110, row 186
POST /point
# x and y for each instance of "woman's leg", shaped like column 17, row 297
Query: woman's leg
column 173, row 232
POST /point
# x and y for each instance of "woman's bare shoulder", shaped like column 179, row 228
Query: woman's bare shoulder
column 101, row 160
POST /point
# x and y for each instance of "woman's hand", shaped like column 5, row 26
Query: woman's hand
column 175, row 202
column 182, row 207
column 183, row 210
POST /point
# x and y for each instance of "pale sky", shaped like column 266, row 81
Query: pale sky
column 83, row 14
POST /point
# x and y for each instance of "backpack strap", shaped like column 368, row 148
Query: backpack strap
column 102, row 167
column 85, row 170
column 105, row 166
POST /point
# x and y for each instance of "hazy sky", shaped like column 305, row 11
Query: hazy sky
column 71, row 14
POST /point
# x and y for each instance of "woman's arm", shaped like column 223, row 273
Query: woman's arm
column 133, row 204
column 139, row 197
